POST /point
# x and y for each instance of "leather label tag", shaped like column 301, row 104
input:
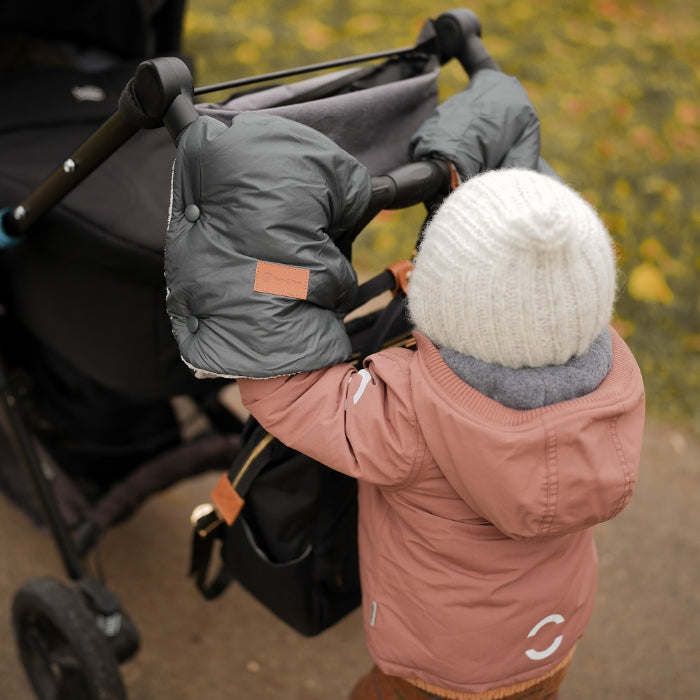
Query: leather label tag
column 281, row 280
column 227, row 500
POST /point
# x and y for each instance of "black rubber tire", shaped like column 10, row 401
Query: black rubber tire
column 127, row 641
column 64, row 654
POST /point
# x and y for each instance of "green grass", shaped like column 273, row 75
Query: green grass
column 616, row 84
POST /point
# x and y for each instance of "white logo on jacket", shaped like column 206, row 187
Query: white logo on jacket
column 539, row 655
column 366, row 379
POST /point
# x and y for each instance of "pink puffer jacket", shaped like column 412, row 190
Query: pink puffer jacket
column 478, row 562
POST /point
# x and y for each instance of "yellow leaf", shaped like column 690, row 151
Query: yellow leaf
column 623, row 326
column 247, row 53
column 652, row 249
column 622, row 188
column 647, row 283
column 692, row 342
column 364, row 24
column 261, row 37
column 617, row 224
column 314, row 35
column 688, row 112
column 384, row 241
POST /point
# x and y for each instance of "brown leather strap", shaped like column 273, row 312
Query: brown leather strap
column 401, row 270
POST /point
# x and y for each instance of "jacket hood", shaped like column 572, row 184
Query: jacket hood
column 541, row 472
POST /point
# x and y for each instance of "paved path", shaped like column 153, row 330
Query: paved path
column 643, row 642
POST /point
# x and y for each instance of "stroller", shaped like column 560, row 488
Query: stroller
column 89, row 366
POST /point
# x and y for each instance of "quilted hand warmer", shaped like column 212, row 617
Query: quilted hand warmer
column 491, row 124
column 256, row 286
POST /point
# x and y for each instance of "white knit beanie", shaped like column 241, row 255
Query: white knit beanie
column 514, row 269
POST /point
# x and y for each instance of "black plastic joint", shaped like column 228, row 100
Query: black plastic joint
column 161, row 92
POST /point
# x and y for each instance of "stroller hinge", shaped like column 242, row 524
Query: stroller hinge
column 161, row 91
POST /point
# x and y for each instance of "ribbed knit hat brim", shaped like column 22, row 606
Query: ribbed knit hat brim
column 515, row 269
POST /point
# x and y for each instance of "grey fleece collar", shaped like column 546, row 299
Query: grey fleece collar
column 534, row 387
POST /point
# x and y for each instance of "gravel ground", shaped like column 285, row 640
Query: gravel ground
column 643, row 642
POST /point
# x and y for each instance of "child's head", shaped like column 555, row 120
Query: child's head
column 514, row 269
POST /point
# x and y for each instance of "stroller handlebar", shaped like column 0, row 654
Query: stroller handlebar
column 421, row 182
column 413, row 183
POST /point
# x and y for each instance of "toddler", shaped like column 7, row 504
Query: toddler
column 486, row 455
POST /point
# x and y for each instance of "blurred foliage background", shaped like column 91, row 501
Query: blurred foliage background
column 616, row 84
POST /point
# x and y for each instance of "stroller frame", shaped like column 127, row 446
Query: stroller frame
column 162, row 93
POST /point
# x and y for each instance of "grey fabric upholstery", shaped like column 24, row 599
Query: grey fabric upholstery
column 375, row 124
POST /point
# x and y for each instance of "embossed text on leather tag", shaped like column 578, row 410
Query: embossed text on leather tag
column 282, row 280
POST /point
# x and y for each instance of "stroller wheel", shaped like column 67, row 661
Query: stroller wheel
column 64, row 654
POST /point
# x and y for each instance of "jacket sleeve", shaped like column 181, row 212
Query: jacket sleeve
column 256, row 286
column 490, row 124
column 355, row 422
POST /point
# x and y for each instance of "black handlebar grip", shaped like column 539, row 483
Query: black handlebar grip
column 459, row 36
column 411, row 184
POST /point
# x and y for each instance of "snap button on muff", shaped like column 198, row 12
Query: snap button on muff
column 192, row 212
column 192, row 324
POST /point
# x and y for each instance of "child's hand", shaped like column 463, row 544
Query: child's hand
column 256, row 285
column 491, row 124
